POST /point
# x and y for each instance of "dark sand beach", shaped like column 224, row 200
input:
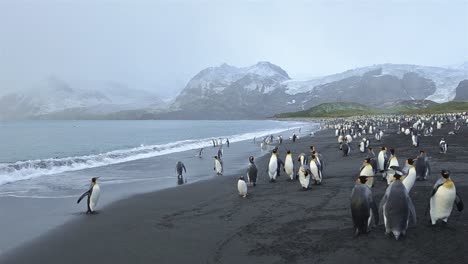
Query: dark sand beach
column 207, row 222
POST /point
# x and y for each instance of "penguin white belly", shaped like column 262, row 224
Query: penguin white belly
column 218, row 166
column 369, row 172
column 415, row 140
column 390, row 173
column 315, row 172
column 303, row 179
column 442, row 203
column 362, row 147
column 340, row 139
column 381, row 161
column 93, row 200
column 242, row 187
column 289, row 167
column 349, row 138
column 407, row 131
column 272, row 167
column 410, row 179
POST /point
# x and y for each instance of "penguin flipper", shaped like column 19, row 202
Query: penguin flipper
column 87, row 193
column 459, row 203
column 382, row 203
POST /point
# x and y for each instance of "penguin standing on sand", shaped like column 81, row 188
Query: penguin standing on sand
column 372, row 158
column 93, row 196
column 444, row 196
column 393, row 162
column 410, row 177
column 242, row 187
column 289, row 166
column 397, row 208
column 179, row 167
column 304, row 177
column 363, row 208
column 345, row 148
column 382, row 161
column 218, row 165
column 273, row 166
column 443, row 146
column 316, row 171
column 415, row 138
column 423, row 169
column 362, row 146
column 368, row 171
column 252, row 172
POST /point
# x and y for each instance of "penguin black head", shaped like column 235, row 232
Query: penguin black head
column 314, row 152
column 93, row 180
column 275, row 150
column 422, row 152
column 397, row 176
column 410, row 161
column 312, row 148
column 289, row 152
column 362, row 179
column 445, row 173
column 241, row 178
column 369, row 148
column 383, row 148
column 392, row 151
column 367, row 160
column 251, row 158
column 216, row 157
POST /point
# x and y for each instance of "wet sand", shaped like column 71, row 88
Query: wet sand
column 207, row 222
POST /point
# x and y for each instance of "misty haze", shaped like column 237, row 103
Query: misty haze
column 250, row 131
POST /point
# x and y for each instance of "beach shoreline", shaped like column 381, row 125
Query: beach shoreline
column 207, row 222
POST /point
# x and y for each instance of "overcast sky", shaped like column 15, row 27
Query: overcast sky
column 160, row 45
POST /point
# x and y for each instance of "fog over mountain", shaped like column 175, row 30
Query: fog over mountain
column 111, row 57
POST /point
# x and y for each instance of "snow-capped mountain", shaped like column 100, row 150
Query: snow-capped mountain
column 55, row 95
column 445, row 79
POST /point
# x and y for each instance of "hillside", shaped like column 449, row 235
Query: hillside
column 343, row 109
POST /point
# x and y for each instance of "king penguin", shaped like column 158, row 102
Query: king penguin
column 410, row 177
column 415, row 138
column 304, row 176
column 443, row 146
column 368, row 171
column 93, row 195
column 391, row 163
column 397, row 208
column 314, row 167
column 179, row 168
column 444, row 195
column 363, row 208
column 273, row 166
column 242, row 187
column 252, row 172
column 423, row 169
column 382, row 161
column 289, row 166
column 218, row 165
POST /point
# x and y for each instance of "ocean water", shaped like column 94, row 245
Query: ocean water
column 47, row 159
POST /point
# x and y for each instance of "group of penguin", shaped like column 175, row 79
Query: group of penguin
column 396, row 205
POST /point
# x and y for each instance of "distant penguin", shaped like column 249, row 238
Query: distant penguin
column 363, row 207
column 289, row 165
column 368, row 171
column 349, row 138
column 273, row 166
column 200, row 152
column 346, row 149
column 415, row 138
column 407, row 131
column 444, row 196
column 242, row 187
column 218, row 165
column 397, row 209
column 220, row 152
column 443, row 146
column 362, row 146
column 280, row 164
column 304, row 177
column 252, row 172
column 410, row 177
column 382, row 160
column 314, row 167
column 93, row 196
column 179, row 168
column 423, row 169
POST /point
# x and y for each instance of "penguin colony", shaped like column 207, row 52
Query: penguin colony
column 395, row 210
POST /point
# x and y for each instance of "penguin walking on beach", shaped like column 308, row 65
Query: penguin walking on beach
column 444, row 196
column 252, row 172
column 363, row 208
column 304, row 177
column 242, row 187
column 179, row 168
column 289, row 166
column 218, row 165
column 273, row 166
column 346, row 148
column 316, row 171
column 397, row 208
column 410, row 177
column 423, row 168
column 415, row 138
column 93, row 196
column 280, row 164
column 443, row 146
column 371, row 156
column 362, row 146
column 368, row 171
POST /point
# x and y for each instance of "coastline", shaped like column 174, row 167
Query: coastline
column 207, row 222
